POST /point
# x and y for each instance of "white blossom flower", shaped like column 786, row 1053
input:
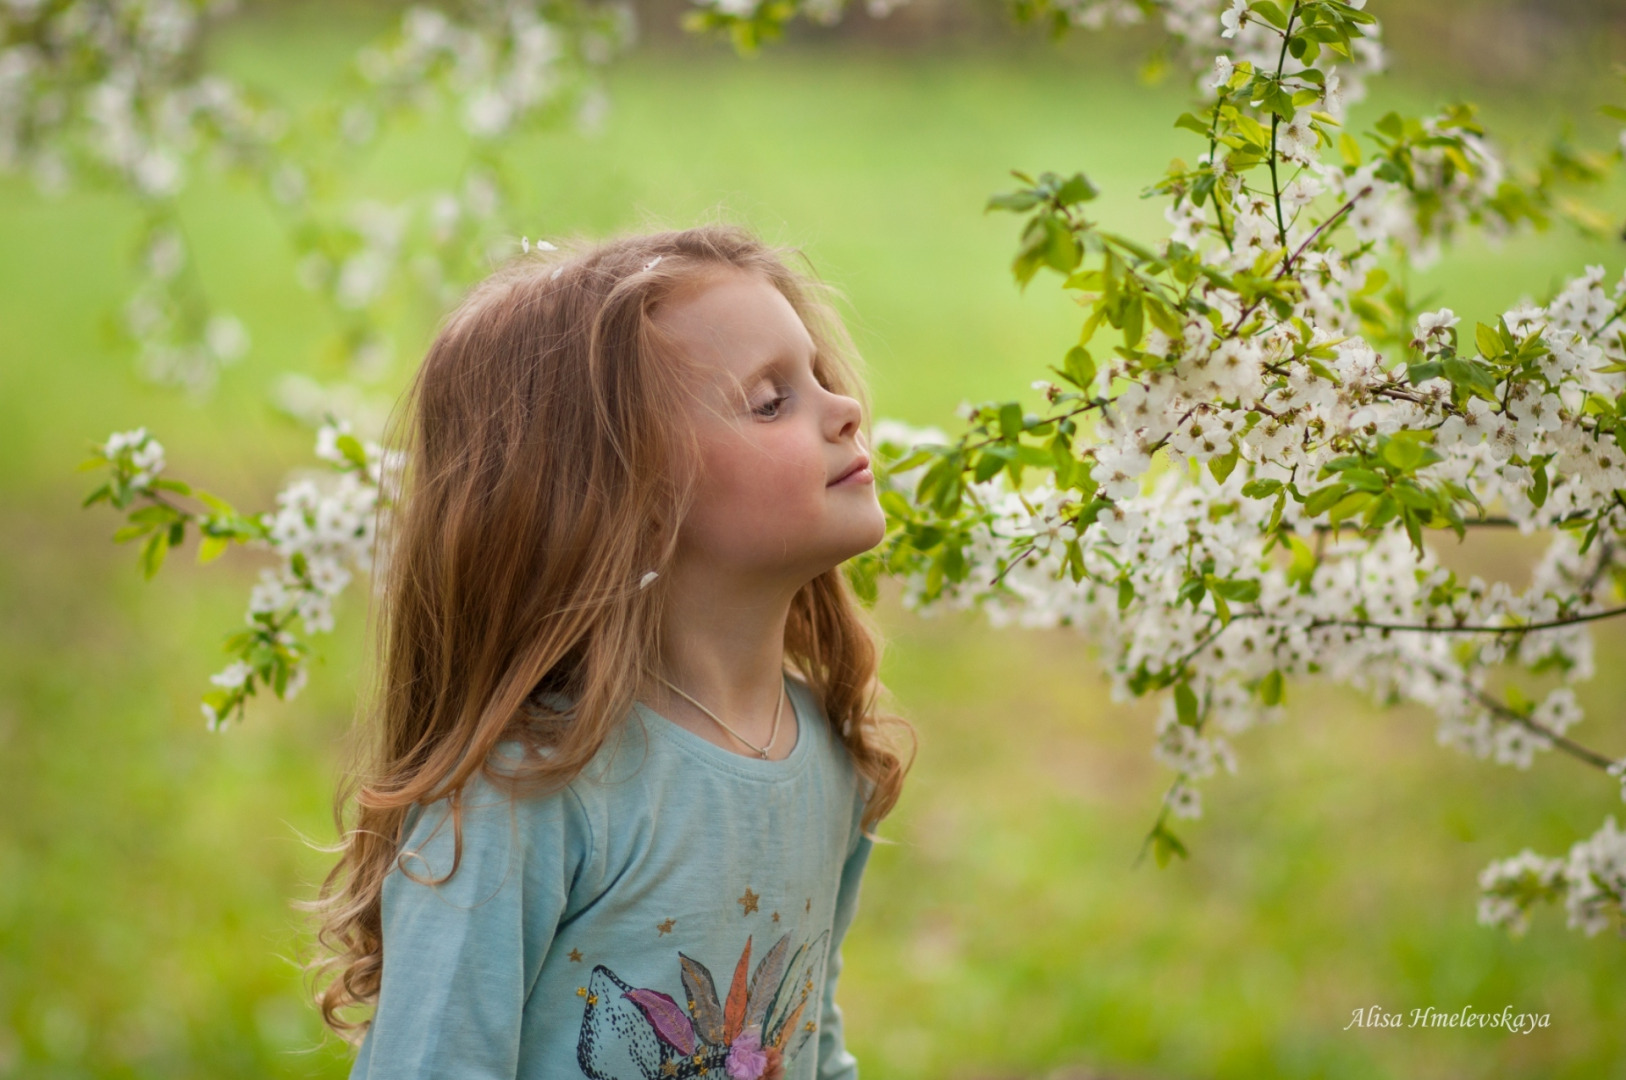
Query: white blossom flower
column 1297, row 139
column 1432, row 325
column 233, row 676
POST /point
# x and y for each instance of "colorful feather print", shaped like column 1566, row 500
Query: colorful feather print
column 754, row 1033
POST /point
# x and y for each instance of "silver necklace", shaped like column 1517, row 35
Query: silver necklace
column 761, row 751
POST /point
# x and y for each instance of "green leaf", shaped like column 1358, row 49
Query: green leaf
column 153, row 552
column 1185, row 703
column 1165, row 843
column 1421, row 373
column 1414, row 530
column 214, row 502
column 1270, row 688
column 1241, row 590
column 1322, row 499
column 1126, row 594
column 1276, row 511
column 1364, row 479
column 1413, row 496
column 1301, row 568
column 157, row 514
column 1349, row 149
column 212, row 547
column 1162, row 317
column 1488, row 340
column 1474, row 378
column 992, row 460
column 863, row 573
column 1192, row 123
column 1077, row 189
column 1349, row 506
column 350, row 446
column 1079, row 367
column 1132, row 321
column 1010, row 420
column 1538, row 486
column 1222, row 465
column 1404, row 454
column 1016, row 201
column 1271, row 11
column 1381, row 511
column 1261, row 488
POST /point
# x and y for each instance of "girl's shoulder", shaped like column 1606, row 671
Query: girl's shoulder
column 492, row 829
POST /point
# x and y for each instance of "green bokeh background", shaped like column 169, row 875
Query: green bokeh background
column 147, row 867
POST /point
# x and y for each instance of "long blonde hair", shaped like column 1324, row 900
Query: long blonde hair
column 546, row 473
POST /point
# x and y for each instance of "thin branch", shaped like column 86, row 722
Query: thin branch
column 1334, row 216
column 1213, row 145
column 1200, row 646
column 1563, row 742
column 1471, row 523
column 1012, row 565
column 1423, row 628
column 1094, row 403
column 1275, row 121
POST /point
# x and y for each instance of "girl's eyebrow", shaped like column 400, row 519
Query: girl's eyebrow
column 779, row 361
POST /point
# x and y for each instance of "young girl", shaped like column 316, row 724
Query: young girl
column 626, row 760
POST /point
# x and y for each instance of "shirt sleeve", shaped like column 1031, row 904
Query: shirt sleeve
column 835, row 1061
column 460, row 957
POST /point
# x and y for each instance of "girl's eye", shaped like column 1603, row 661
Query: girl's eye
column 770, row 408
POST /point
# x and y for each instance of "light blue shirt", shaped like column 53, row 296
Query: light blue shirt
column 676, row 911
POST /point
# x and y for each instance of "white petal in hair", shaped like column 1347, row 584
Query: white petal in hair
column 643, row 582
column 650, row 265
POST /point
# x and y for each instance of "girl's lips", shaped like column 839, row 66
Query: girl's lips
column 857, row 473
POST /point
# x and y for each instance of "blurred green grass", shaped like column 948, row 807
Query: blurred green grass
column 146, row 867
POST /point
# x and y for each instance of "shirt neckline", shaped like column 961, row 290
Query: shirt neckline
column 753, row 767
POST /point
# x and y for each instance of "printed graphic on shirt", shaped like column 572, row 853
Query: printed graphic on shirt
column 639, row 1033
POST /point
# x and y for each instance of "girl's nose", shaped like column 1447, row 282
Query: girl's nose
column 845, row 416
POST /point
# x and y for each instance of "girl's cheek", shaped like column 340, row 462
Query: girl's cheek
column 777, row 481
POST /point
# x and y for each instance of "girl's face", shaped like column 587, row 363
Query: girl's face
column 786, row 488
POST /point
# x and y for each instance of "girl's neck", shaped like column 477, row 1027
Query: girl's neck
column 725, row 647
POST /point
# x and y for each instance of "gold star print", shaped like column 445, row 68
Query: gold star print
column 748, row 901
column 810, row 1025
column 776, row 916
column 592, row 999
column 666, row 927
column 575, row 956
column 581, row 991
column 669, row 1069
column 809, row 906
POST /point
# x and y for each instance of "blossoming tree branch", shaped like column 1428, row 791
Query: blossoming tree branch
column 1239, row 490
column 1244, row 467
